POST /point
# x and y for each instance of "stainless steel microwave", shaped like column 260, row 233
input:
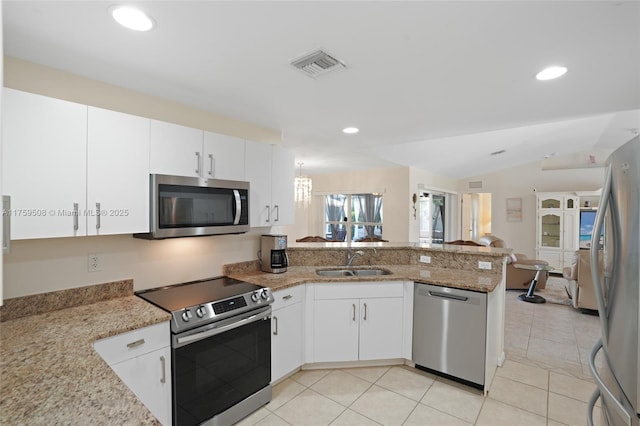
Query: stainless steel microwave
column 194, row 207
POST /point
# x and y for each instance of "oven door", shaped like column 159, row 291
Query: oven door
column 218, row 366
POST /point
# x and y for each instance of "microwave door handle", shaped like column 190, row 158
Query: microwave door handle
column 236, row 195
column 595, row 242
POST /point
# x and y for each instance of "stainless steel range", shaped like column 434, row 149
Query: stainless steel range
column 220, row 347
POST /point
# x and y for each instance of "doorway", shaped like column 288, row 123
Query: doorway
column 475, row 218
column 432, row 217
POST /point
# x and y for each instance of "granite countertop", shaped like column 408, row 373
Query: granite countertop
column 295, row 275
column 51, row 374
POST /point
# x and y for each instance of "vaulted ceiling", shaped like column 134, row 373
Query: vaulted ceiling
column 434, row 85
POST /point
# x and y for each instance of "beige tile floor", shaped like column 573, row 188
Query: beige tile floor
column 544, row 381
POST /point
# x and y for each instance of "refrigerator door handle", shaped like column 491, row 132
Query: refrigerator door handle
column 603, row 389
column 592, row 403
column 605, row 198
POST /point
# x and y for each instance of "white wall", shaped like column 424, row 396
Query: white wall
column 520, row 182
column 39, row 266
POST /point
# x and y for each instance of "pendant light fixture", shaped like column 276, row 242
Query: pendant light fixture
column 303, row 187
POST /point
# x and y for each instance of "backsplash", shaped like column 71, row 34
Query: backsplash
column 19, row 307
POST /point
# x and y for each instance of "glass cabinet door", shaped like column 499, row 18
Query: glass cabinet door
column 550, row 230
column 551, row 203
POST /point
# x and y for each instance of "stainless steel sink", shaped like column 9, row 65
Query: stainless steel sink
column 352, row 272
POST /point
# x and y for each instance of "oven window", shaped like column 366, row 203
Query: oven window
column 214, row 374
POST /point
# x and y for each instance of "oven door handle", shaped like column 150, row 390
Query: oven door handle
column 261, row 315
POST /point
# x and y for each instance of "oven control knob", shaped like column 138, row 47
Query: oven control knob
column 255, row 295
column 200, row 311
column 264, row 294
column 186, row 315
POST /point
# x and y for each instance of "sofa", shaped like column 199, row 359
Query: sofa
column 580, row 281
column 517, row 279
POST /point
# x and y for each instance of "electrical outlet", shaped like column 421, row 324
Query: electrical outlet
column 425, row 259
column 94, row 262
column 484, row 265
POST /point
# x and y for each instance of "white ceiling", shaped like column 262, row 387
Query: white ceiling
column 435, row 85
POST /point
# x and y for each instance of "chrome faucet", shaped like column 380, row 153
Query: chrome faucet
column 352, row 255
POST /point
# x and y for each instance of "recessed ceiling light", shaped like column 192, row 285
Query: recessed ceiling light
column 550, row 73
column 350, row 130
column 131, row 18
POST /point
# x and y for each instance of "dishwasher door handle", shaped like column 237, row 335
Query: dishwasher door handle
column 448, row 296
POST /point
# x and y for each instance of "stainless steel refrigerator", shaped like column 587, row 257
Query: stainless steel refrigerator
column 617, row 290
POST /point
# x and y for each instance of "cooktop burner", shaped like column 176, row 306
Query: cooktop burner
column 197, row 303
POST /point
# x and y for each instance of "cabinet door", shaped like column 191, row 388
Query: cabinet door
column 149, row 377
column 44, row 164
column 553, row 257
column 286, row 340
column 550, row 229
column 258, row 173
column 175, row 150
column 336, row 330
column 117, row 173
column 381, row 328
column 550, row 201
column 223, row 157
column 282, row 186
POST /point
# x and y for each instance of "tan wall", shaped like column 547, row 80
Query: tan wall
column 35, row 78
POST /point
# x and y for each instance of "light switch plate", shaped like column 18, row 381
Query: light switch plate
column 425, row 259
column 484, row 265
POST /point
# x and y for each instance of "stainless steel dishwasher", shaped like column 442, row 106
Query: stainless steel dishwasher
column 449, row 329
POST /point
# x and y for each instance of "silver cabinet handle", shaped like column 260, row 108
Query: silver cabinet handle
column 75, row 216
column 197, row 163
column 211, row 165
column 287, row 297
column 97, row 215
column 277, row 209
column 275, row 330
column 353, row 318
column 163, row 379
column 135, row 344
column 268, row 213
column 365, row 312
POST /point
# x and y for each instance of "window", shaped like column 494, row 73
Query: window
column 351, row 217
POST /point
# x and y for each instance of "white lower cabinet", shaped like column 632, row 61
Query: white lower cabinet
column 286, row 332
column 360, row 321
column 142, row 360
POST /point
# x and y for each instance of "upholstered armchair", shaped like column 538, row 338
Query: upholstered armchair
column 519, row 279
column 580, row 281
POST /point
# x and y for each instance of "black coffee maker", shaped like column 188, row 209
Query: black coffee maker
column 273, row 253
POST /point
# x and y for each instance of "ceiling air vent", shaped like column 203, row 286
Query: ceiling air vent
column 475, row 184
column 318, row 62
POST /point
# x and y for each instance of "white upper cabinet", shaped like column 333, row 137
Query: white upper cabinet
column 223, row 157
column 175, row 150
column 61, row 160
column 271, row 171
column 44, row 165
column 184, row 151
column 117, row 173
column 283, row 173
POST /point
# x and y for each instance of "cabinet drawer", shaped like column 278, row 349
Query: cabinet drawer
column 133, row 343
column 359, row 290
column 288, row 296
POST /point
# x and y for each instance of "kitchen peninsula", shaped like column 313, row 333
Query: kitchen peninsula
column 50, row 372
